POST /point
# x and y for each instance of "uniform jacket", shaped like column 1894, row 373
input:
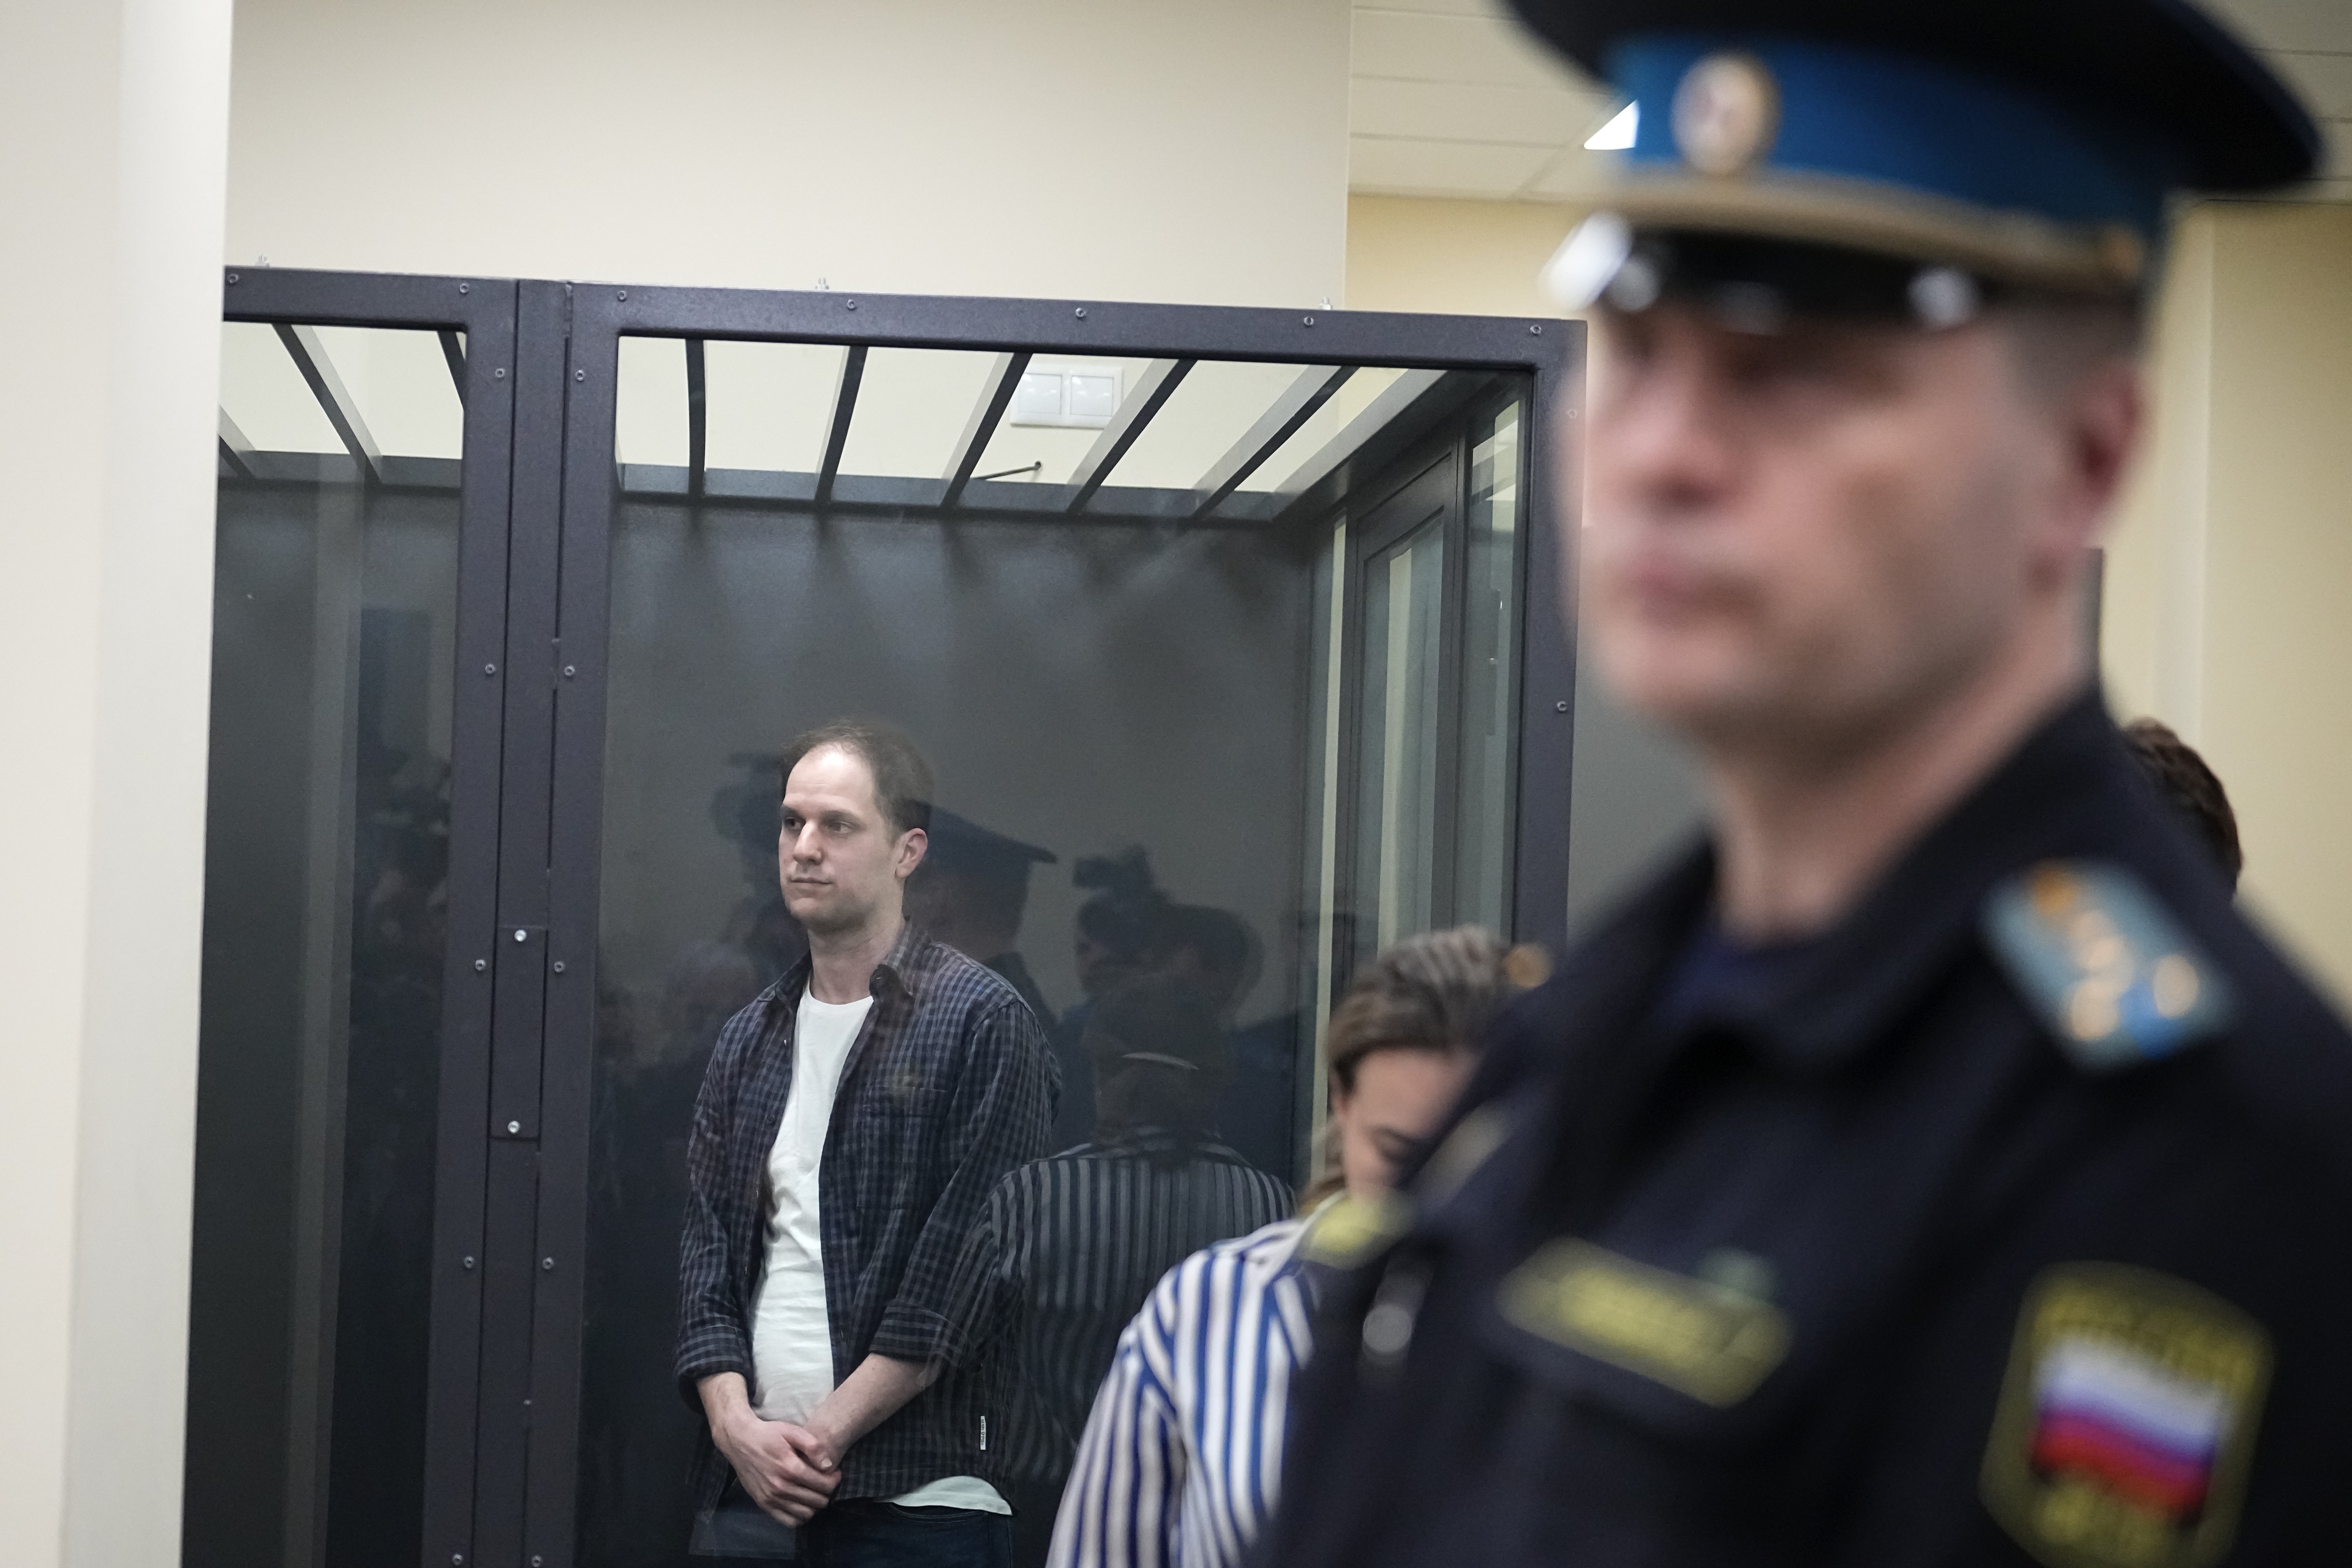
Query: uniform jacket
column 1862, row 1267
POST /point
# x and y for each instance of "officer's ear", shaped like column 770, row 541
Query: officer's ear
column 2077, row 364
column 2102, row 422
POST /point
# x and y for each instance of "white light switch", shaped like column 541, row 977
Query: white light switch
column 1038, row 399
column 1085, row 395
column 1092, row 396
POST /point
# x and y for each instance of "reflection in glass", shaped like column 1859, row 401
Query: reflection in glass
column 1396, row 871
column 326, row 878
column 1135, row 712
column 1482, row 835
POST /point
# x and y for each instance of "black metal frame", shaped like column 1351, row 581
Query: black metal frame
column 463, row 1255
column 540, row 487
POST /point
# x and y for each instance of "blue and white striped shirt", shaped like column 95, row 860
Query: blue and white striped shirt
column 1181, row 1458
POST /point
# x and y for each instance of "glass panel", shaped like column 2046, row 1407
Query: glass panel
column 1326, row 933
column 1489, row 675
column 326, row 874
column 1137, row 729
column 1399, row 742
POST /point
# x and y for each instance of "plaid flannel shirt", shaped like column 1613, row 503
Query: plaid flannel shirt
column 947, row 1087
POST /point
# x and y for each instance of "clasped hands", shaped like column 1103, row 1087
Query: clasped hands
column 790, row 1471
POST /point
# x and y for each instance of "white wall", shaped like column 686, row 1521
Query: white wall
column 113, row 139
column 1192, row 153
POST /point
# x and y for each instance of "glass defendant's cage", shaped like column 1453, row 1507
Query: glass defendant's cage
column 1235, row 629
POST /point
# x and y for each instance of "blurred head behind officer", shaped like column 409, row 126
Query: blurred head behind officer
column 1928, row 1167
column 2191, row 788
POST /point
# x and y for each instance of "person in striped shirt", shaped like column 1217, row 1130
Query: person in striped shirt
column 1069, row 1246
column 1181, row 1459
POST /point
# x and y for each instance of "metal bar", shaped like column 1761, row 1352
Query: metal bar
column 461, row 1171
column 1003, row 380
column 503, row 1459
column 334, row 399
column 575, row 825
column 1152, row 394
column 1298, row 404
column 844, row 409
column 1550, row 478
column 1089, row 328
column 1378, row 415
column 697, row 417
column 454, row 352
column 507, row 1115
column 235, row 450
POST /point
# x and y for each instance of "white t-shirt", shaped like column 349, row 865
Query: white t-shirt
column 792, row 1339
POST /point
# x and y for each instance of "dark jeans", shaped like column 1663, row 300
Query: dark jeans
column 872, row 1533
column 867, row 1533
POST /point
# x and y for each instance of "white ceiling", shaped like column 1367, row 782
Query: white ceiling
column 1451, row 98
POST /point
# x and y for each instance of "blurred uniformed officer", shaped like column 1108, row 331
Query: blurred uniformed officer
column 1930, row 1167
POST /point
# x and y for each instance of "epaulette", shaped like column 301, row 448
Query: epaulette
column 1349, row 1232
column 2106, row 967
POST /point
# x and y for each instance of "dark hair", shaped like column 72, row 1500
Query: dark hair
column 2181, row 777
column 902, row 780
column 1161, row 1059
column 1434, row 992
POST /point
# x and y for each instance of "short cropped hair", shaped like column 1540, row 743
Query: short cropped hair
column 2194, row 790
column 902, row 779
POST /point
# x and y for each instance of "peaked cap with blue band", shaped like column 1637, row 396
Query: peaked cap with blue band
column 2033, row 142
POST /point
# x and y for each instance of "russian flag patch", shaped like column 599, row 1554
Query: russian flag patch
column 2127, row 1421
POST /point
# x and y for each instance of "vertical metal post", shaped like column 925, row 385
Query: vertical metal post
column 512, row 1255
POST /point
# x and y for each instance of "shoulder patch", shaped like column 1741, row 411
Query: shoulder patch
column 1709, row 1340
column 1349, row 1232
column 2108, row 968
column 2127, row 1421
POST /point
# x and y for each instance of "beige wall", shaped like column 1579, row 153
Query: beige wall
column 112, row 138
column 1405, row 253
column 1193, row 152
column 2230, row 566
